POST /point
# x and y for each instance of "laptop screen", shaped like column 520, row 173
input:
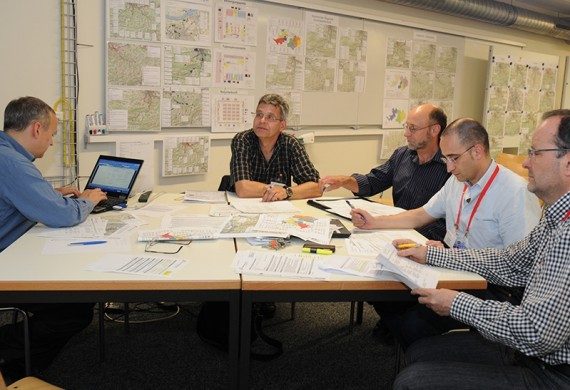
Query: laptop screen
column 114, row 175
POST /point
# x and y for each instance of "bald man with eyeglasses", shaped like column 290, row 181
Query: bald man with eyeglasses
column 415, row 171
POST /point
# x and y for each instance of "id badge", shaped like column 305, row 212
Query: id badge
column 450, row 238
column 458, row 244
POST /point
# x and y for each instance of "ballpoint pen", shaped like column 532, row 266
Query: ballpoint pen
column 350, row 204
column 87, row 242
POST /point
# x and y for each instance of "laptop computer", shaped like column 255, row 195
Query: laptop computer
column 116, row 176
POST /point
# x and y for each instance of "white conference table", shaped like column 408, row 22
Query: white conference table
column 27, row 275
column 339, row 288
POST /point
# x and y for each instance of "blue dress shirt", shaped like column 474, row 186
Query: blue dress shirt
column 27, row 198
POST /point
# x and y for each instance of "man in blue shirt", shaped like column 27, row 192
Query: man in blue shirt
column 25, row 199
column 415, row 172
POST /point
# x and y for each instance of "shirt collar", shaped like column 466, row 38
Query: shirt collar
column 16, row 145
column 557, row 211
column 486, row 176
column 436, row 157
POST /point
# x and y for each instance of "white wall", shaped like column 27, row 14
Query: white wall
column 29, row 43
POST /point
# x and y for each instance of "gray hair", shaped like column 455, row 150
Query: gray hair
column 562, row 139
column 21, row 112
column 276, row 101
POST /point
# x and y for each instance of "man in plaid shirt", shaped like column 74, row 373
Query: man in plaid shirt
column 264, row 158
column 525, row 346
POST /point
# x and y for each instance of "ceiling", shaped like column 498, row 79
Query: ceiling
column 557, row 8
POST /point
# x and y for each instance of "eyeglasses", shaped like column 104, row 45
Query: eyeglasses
column 535, row 152
column 268, row 117
column 413, row 128
column 453, row 160
column 165, row 247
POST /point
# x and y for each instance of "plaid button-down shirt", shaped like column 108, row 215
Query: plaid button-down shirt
column 540, row 325
column 289, row 159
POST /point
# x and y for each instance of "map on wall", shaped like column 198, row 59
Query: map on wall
column 134, row 20
column 185, row 155
column 520, row 87
column 418, row 70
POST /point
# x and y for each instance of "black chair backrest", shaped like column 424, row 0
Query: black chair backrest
column 225, row 183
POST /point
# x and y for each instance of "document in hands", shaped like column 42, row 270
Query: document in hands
column 413, row 274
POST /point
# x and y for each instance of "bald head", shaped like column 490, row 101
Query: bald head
column 432, row 114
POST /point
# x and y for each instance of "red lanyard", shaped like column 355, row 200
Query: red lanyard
column 477, row 203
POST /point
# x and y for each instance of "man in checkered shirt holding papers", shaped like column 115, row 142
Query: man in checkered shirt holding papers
column 525, row 346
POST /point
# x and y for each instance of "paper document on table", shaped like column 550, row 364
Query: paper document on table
column 360, row 266
column 365, row 244
column 242, row 226
column 194, row 221
column 370, row 243
column 137, row 265
column 290, row 265
column 91, row 228
column 178, row 234
column 205, row 196
column 222, row 210
column 120, row 224
column 413, row 274
column 256, row 206
column 303, row 226
column 158, row 210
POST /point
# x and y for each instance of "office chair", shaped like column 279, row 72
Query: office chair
column 513, row 162
column 225, row 184
column 27, row 353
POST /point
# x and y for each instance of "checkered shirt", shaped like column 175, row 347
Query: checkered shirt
column 540, row 325
column 289, row 159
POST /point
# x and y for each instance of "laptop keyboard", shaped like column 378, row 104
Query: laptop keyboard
column 106, row 205
column 110, row 202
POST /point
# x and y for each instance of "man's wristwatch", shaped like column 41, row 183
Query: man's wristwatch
column 289, row 192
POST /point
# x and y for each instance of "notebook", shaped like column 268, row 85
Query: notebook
column 116, row 176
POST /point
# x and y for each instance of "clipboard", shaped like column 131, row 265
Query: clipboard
column 320, row 206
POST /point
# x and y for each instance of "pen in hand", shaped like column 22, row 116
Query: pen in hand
column 350, row 204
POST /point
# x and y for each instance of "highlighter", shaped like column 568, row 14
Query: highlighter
column 406, row 246
column 318, row 251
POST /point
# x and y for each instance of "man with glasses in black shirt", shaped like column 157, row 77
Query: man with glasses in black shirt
column 415, row 172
